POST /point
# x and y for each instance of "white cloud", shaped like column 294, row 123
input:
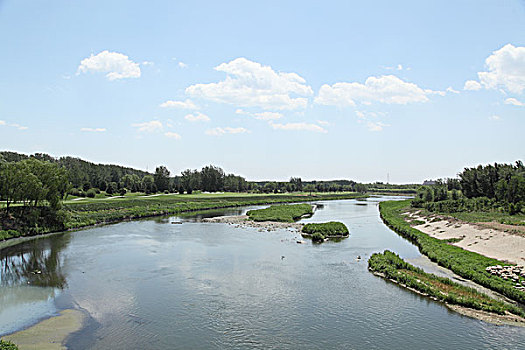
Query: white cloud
column 450, row 89
column 147, row 63
column 116, row 65
column 172, row 135
column 323, row 122
column 506, row 69
column 268, row 115
column 93, row 129
column 385, row 89
column 13, row 125
column 495, row 117
column 376, row 126
column 151, row 126
column 514, row 102
column 218, row 131
column 298, row 126
column 197, row 117
column 188, row 104
column 250, row 84
column 472, row 85
column 182, row 65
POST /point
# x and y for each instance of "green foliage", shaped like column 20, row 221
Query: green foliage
column 330, row 229
column 91, row 193
column 317, row 237
column 7, row 345
column 281, row 213
column 467, row 264
column 161, row 178
column 391, row 266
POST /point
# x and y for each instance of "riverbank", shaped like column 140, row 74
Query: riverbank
column 51, row 333
column 467, row 264
column 463, row 299
column 101, row 212
column 495, row 243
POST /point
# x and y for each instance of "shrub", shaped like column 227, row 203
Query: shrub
column 327, row 229
column 317, row 237
column 122, row 191
column 91, row 193
column 7, row 345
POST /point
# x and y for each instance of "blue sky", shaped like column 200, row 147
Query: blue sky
column 268, row 90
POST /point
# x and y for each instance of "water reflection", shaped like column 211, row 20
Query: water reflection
column 37, row 263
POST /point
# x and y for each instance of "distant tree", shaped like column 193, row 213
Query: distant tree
column 361, row 188
column 309, row 188
column 212, row 179
column 148, row 184
column 162, row 178
column 296, row 184
column 112, row 188
column 190, row 180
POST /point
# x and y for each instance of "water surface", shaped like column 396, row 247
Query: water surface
column 154, row 285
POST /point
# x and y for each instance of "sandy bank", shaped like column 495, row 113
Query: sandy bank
column 243, row 221
column 488, row 241
column 49, row 334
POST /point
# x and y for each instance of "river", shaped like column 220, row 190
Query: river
column 150, row 284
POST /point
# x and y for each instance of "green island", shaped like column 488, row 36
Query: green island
column 281, row 213
column 323, row 231
column 390, row 266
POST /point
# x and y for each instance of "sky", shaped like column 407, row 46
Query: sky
column 361, row 90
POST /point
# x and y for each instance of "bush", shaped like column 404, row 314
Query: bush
column 122, row 191
column 91, row 193
column 327, row 229
column 317, row 237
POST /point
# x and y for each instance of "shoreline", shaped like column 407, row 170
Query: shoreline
column 51, row 333
column 485, row 316
column 302, row 199
column 242, row 221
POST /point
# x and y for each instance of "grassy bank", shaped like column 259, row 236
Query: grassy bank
column 78, row 214
column 392, row 267
column 467, row 264
column 281, row 213
column 320, row 232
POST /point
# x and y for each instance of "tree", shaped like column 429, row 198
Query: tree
column 309, row 188
column 212, row 178
column 190, row 180
column 162, row 178
column 148, row 184
column 296, row 184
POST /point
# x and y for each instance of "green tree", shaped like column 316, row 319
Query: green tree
column 162, row 178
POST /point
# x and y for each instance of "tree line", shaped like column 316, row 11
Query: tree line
column 483, row 187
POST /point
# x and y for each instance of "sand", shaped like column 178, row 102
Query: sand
column 49, row 334
column 243, row 221
column 480, row 238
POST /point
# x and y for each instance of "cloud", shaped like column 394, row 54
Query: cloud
column 267, row 115
column 495, row 118
column 197, row 117
column 450, row 89
column 151, row 126
column 182, row 65
column 506, row 69
column 188, row 104
column 13, row 125
column 172, row 135
column 472, row 85
column 147, row 63
column 323, row 122
column 218, row 131
column 250, row 84
column 117, row 65
column 298, row 126
column 376, row 126
column 93, row 129
column 514, row 102
column 387, row 89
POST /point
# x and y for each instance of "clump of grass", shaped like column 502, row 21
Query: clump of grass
column 7, row 345
column 392, row 267
column 319, row 232
column 281, row 213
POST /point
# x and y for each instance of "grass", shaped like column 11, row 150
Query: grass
column 502, row 218
column 281, row 213
column 319, row 232
column 391, row 266
column 7, row 345
column 467, row 264
column 92, row 211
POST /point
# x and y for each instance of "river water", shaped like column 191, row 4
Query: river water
column 153, row 285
